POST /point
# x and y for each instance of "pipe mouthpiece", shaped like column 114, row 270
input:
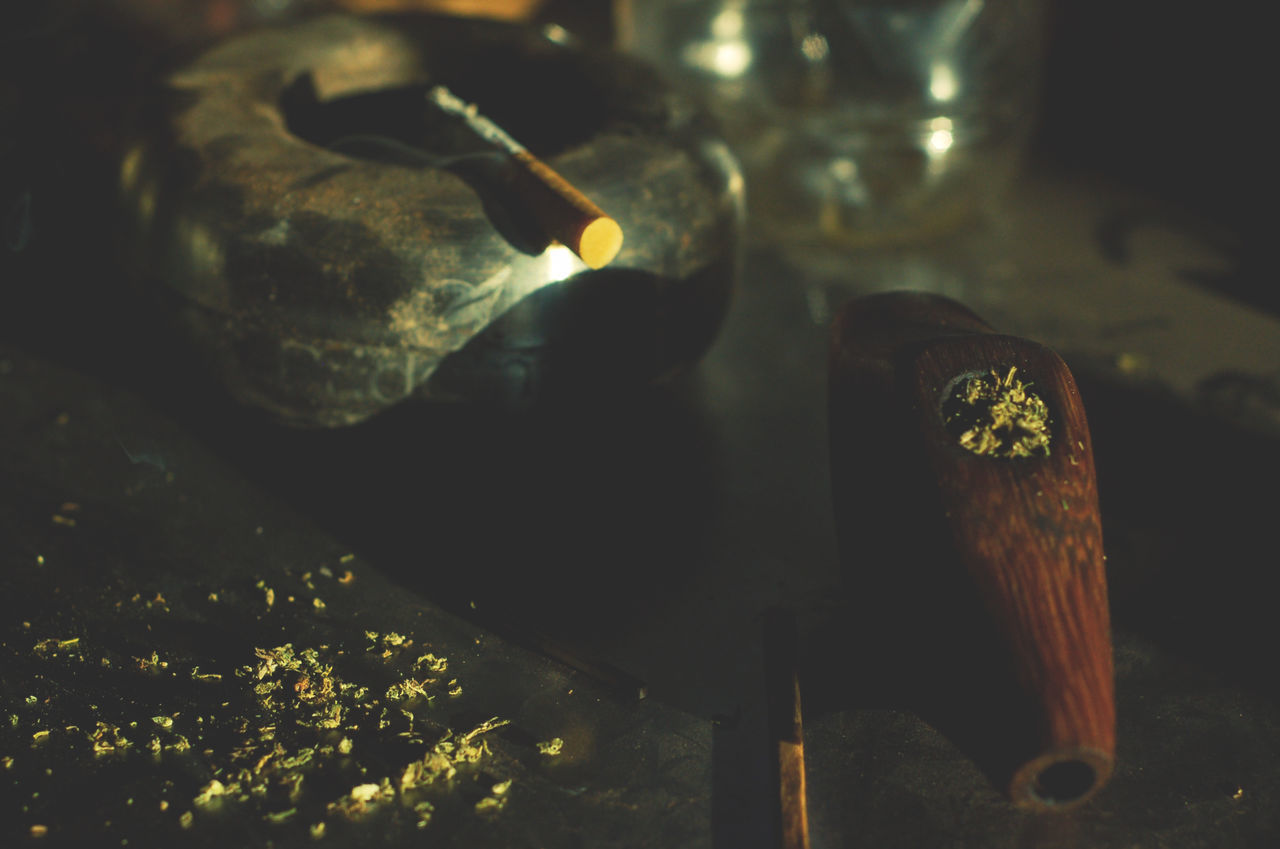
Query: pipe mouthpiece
column 1059, row 781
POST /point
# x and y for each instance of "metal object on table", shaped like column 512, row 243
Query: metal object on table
column 954, row 446
column 334, row 246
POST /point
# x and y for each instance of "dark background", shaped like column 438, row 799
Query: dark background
column 1168, row 100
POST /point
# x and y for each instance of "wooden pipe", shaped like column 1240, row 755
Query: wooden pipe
column 981, row 438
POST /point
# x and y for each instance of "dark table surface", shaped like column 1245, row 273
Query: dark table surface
column 651, row 532
column 645, row 536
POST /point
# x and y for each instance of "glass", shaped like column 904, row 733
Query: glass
column 860, row 121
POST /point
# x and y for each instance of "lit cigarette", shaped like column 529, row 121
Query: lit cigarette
column 565, row 213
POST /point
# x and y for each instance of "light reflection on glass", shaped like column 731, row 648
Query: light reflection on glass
column 800, row 85
column 844, row 169
column 939, row 142
column 940, row 137
column 717, row 152
column 726, row 54
column 942, row 82
column 846, row 187
column 728, row 24
column 557, row 34
column 723, row 58
column 815, row 47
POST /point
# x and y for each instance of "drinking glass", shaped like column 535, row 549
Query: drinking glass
column 859, row 121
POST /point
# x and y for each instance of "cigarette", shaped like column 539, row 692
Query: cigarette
column 786, row 729
column 566, row 214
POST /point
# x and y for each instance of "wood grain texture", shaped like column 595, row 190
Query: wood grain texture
column 1024, row 532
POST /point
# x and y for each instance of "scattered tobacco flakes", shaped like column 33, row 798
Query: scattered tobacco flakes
column 496, row 800
column 158, row 601
column 387, row 645
column 268, row 593
column 995, row 416
column 54, row 647
column 308, row 734
column 410, row 688
column 362, row 797
column 450, row 752
column 213, row 790
column 106, row 739
column 431, row 663
column 153, row 664
column 423, row 811
column 302, row 691
column 551, row 747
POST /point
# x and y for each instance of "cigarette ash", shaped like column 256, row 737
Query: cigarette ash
column 308, row 738
column 995, row 416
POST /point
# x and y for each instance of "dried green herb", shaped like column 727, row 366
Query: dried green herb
column 551, row 747
column 995, row 416
column 295, row 726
